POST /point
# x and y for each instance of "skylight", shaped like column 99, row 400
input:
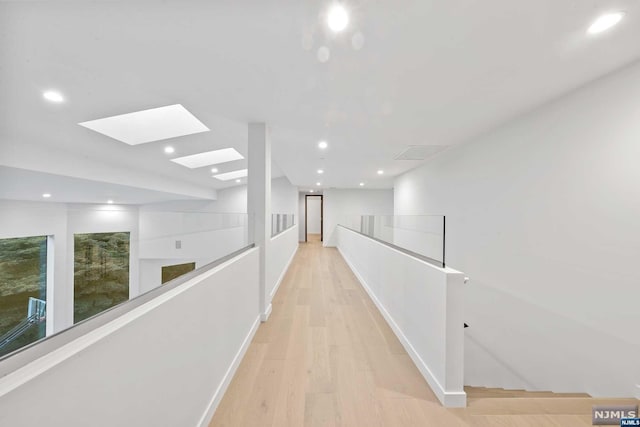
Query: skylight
column 151, row 125
column 209, row 158
column 232, row 175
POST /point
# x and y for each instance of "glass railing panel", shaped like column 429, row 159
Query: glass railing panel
column 423, row 235
column 281, row 222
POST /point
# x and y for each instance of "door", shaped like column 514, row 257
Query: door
column 313, row 217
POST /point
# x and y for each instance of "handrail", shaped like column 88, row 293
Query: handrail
column 399, row 248
column 33, row 351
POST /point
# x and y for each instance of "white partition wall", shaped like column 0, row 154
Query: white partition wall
column 422, row 303
column 164, row 363
column 282, row 249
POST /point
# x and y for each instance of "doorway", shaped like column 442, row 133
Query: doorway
column 313, row 217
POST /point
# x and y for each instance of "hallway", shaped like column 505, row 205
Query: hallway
column 326, row 357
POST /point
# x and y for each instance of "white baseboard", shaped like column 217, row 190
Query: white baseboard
column 228, row 376
column 265, row 316
column 448, row 399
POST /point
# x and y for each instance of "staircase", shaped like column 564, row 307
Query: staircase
column 500, row 393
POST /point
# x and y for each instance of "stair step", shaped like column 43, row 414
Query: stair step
column 489, row 393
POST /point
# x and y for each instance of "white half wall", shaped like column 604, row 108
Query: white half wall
column 344, row 204
column 165, row 363
column 422, row 303
column 542, row 214
column 280, row 253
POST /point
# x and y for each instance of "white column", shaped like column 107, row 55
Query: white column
column 259, row 202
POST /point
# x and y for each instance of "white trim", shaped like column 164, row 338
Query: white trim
column 228, row 376
column 41, row 365
column 448, row 399
column 51, row 285
column 265, row 316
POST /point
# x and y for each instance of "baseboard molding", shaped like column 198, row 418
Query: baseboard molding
column 265, row 316
column 448, row 399
column 228, row 376
column 283, row 273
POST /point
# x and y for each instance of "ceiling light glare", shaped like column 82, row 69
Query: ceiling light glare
column 214, row 170
column 338, row 18
column 380, row 172
column 53, row 96
column 605, row 22
column 357, row 41
column 110, row 202
column 320, row 171
column 238, row 180
column 311, row 191
column 46, row 195
column 323, row 54
column 169, row 150
column 318, row 184
column 322, row 145
column 362, row 184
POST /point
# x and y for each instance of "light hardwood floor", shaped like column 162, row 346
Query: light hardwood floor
column 326, row 357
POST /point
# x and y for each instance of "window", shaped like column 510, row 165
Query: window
column 23, row 291
column 101, row 273
column 170, row 272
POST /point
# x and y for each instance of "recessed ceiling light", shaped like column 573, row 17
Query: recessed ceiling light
column 380, row 171
column 604, row 22
column 169, row 150
column 338, row 18
column 214, row 170
column 110, row 201
column 311, row 191
column 53, row 96
column 238, row 180
column 232, row 175
column 322, row 145
column 362, row 184
column 46, row 195
column 148, row 125
column 320, row 171
column 209, row 158
column 318, row 184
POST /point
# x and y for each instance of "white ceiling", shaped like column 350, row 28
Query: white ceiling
column 430, row 72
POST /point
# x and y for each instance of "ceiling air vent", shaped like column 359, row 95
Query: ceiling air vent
column 420, row 152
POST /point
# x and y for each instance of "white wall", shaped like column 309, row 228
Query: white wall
column 542, row 214
column 342, row 204
column 423, row 305
column 313, row 214
column 284, row 197
column 165, row 363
